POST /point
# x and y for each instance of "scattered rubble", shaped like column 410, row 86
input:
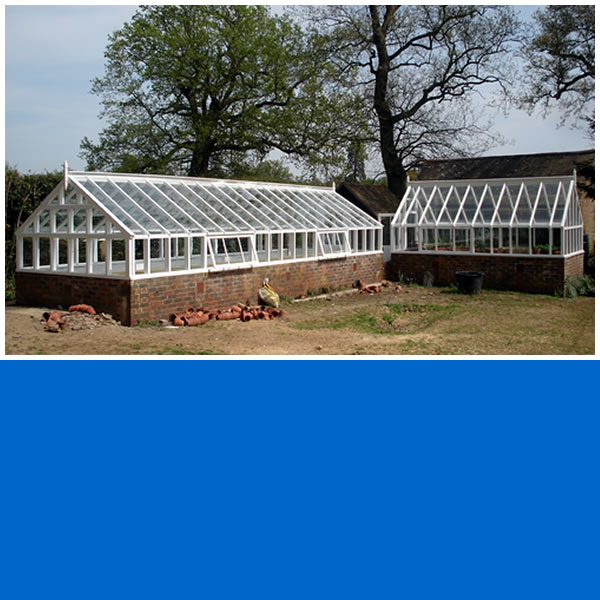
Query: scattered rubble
column 240, row 312
column 79, row 318
column 367, row 289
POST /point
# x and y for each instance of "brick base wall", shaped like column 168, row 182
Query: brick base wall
column 149, row 299
column 536, row 274
column 157, row 298
column 105, row 295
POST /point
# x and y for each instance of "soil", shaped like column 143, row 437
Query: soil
column 424, row 322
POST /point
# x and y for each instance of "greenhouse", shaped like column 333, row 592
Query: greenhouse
column 141, row 227
column 136, row 226
column 526, row 217
column 524, row 234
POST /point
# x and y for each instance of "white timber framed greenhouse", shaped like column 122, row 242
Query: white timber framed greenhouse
column 521, row 217
column 134, row 227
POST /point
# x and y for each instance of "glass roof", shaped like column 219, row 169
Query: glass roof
column 510, row 202
column 155, row 205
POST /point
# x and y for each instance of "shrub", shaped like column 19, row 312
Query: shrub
column 579, row 285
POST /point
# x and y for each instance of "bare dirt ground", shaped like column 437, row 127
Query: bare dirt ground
column 418, row 321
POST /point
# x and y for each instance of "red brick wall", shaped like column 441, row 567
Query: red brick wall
column 105, row 295
column 543, row 275
column 156, row 298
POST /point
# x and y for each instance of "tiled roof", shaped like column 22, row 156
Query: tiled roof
column 373, row 199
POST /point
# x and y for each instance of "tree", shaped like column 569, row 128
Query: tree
column 560, row 62
column 198, row 89
column 22, row 195
column 421, row 66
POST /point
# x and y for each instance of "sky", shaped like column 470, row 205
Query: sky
column 52, row 53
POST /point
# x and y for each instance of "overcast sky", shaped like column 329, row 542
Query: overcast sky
column 53, row 52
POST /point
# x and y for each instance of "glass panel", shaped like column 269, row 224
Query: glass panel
column 120, row 213
column 463, row 240
column 445, row 240
column 98, row 221
column 44, row 221
column 428, row 239
column 215, row 220
column 236, row 205
column 310, row 244
column 262, row 242
column 191, row 203
column 80, row 220
column 168, row 216
column 541, row 241
column 520, row 241
column 63, row 253
column 557, row 241
column 501, row 240
column 62, row 220
column 29, row 228
column 27, row 252
column 44, row 252
column 223, row 205
column 482, row 239
column 262, row 207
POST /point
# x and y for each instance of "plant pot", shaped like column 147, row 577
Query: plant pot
column 469, row 282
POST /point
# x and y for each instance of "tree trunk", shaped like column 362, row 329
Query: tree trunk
column 200, row 163
column 395, row 171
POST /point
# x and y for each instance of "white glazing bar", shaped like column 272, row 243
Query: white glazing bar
column 53, row 253
column 195, row 194
column 444, row 208
column 498, row 205
column 339, row 203
column 89, row 256
column 188, row 254
column 522, row 192
column 328, row 205
column 571, row 201
column 108, row 258
column 231, row 193
column 130, row 257
column 480, row 204
column 295, row 202
column 538, row 198
column 147, row 256
column 260, row 210
column 70, row 255
column 178, row 226
column 94, row 201
column 140, row 208
column 218, row 227
column 284, row 209
column 208, row 190
column 427, row 205
column 36, row 253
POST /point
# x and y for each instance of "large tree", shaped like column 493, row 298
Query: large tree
column 199, row 89
column 560, row 56
column 421, row 66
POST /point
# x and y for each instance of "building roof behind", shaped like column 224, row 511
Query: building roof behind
column 504, row 167
column 373, row 199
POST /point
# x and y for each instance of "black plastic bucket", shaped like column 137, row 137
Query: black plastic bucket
column 469, row 282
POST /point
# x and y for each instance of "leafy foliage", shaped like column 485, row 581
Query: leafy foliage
column 580, row 285
column 561, row 62
column 205, row 89
column 22, row 195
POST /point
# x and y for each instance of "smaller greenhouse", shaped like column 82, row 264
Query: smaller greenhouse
column 523, row 217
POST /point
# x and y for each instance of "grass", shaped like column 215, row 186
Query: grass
column 491, row 323
column 387, row 319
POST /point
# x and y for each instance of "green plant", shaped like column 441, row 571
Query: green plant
column 10, row 291
column 579, row 285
